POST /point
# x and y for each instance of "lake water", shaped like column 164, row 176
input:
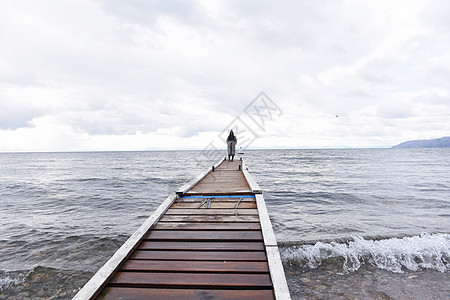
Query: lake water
column 351, row 223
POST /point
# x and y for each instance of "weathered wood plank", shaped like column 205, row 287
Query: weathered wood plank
column 204, row 218
column 215, row 176
column 179, row 235
column 230, row 164
column 199, row 200
column 222, row 174
column 230, row 184
column 194, row 181
column 199, row 255
column 206, row 226
column 219, row 193
column 224, row 180
column 195, row 266
column 185, row 294
column 266, row 225
column 144, row 279
column 273, row 256
column 222, row 246
column 277, row 275
column 211, row 211
column 224, row 183
column 252, row 183
column 215, row 204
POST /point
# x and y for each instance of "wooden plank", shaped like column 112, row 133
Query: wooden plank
column 144, row 279
column 223, row 174
column 237, row 177
column 211, row 211
column 226, row 181
column 219, row 172
column 226, row 187
column 266, row 225
column 215, row 204
column 216, row 189
column 206, row 246
column 221, row 200
column 280, row 286
column 277, row 275
column 206, row 226
column 204, row 218
column 252, row 183
column 195, row 266
column 194, row 181
column 185, row 294
column 199, row 255
column 230, row 165
column 99, row 280
column 204, row 235
column 218, row 193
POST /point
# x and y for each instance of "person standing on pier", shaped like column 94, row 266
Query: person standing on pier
column 231, row 141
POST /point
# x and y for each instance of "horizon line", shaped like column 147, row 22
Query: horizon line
column 194, row 149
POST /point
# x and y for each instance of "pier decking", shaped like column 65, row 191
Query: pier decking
column 211, row 240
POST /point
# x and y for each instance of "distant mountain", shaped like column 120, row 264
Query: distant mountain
column 435, row 143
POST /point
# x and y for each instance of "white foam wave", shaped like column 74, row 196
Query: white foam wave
column 12, row 278
column 431, row 251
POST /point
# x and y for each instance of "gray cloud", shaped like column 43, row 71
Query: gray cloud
column 381, row 71
column 432, row 99
column 394, row 110
column 19, row 79
column 183, row 70
column 148, row 12
column 12, row 119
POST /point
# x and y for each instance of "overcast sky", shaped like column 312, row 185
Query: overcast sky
column 141, row 75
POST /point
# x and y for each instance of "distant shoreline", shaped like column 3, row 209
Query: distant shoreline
column 443, row 142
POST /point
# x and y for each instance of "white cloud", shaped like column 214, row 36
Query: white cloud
column 114, row 75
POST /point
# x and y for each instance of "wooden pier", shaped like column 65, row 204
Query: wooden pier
column 213, row 239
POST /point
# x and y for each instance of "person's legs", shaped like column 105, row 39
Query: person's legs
column 232, row 157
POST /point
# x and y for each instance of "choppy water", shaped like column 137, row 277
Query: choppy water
column 358, row 223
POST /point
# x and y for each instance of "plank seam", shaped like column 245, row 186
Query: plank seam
column 186, row 187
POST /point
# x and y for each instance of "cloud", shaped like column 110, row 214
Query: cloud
column 93, row 72
column 12, row 119
column 394, row 110
column 148, row 12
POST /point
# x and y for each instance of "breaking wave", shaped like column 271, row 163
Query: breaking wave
column 426, row 251
column 11, row 278
column 41, row 283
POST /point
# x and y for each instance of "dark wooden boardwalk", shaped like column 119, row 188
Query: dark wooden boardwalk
column 208, row 242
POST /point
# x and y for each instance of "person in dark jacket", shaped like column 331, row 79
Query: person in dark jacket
column 231, row 142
